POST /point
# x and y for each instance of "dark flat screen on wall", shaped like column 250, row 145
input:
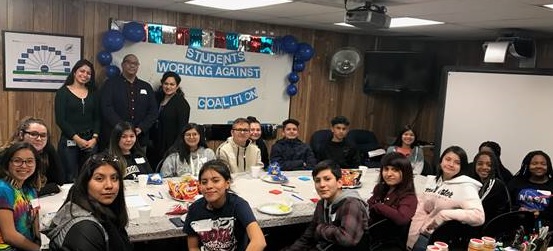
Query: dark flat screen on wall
column 399, row 71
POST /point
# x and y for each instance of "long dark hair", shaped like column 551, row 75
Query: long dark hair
column 180, row 145
column 399, row 141
column 460, row 152
column 406, row 186
column 493, row 172
column 159, row 93
column 524, row 171
column 34, row 180
column 78, row 194
column 71, row 77
column 116, row 134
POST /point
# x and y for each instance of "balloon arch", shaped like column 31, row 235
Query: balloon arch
column 113, row 40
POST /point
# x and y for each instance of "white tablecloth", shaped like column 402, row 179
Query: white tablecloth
column 255, row 191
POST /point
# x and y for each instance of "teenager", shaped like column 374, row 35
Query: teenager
column 188, row 154
column 394, row 196
column 340, row 219
column 221, row 220
column 451, row 195
column 406, row 143
column 124, row 145
column 338, row 148
column 19, row 180
column 94, row 214
column 290, row 152
column 238, row 150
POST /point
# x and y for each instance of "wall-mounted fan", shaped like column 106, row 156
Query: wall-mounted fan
column 344, row 62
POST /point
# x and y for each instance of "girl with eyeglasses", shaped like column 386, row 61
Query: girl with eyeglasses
column 19, row 181
column 188, row 153
column 94, row 214
column 35, row 132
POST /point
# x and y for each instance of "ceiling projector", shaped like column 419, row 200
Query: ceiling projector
column 369, row 16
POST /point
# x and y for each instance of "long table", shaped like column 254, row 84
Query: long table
column 255, row 191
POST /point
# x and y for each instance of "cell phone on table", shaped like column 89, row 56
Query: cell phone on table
column 177, row 221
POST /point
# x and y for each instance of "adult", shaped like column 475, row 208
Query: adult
column 188, row 153
column 77, row 109
column 174, row 113
column 532, row 186
column 237, row 150
column 450, row 195
column 255, row 136
column 340, row 219
column 128, row 98
column 502, row 172
column 19, row 179
column 493, row 193
column 338, row 148
column 34, row 131
column 290, row 152
column 406, row 143
column 221, row 220
column 94, row 214
column 124, row 145
column 394, row 195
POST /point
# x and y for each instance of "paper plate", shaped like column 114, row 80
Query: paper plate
column 271, row 179
column 275, row 208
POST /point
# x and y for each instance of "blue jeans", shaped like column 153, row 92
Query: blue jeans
column 72, row 158
column 421, row 243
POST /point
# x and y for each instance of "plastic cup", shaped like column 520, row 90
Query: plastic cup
column 432, row 248
column 255, row 171
column 144, row 214
column 442, row 245
column 142, row 180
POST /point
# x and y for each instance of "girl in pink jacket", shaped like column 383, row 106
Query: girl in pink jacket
column 451, row 195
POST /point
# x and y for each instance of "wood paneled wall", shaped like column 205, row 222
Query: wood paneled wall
column 317, row 101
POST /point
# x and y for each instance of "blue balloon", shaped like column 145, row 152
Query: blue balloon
column 292, row 89
column 298, row 66
column 289, row 44
column 104, row 57
column 304, row 52
column 134, row 31
column 293, row 78
column 112, row 71
column 113, row 40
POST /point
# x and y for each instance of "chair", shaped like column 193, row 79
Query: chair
column 318, row 140
column 385, row 235
column 456, row 234
column 504, row 226
column 365, row 141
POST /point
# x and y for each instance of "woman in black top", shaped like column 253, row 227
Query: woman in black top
column 77, row 111
column 94, row 215
column 493, row 193
column 123, row 144
column 502, row 172
column 174, row 113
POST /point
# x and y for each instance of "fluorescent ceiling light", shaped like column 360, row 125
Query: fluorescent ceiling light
column 550, row 6
column 345, row 25
column 409, row 21
column 236, row 5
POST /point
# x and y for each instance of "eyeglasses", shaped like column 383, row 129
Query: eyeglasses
column 242, row 130
column 36, row 135
column 19, row 162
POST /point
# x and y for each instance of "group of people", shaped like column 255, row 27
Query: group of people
column 104, row 138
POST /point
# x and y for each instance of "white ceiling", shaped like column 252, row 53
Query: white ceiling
column 464, row 19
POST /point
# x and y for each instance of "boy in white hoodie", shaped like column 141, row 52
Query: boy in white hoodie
column 451, row 195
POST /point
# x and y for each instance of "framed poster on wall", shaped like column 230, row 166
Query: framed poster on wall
column 38, row 61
